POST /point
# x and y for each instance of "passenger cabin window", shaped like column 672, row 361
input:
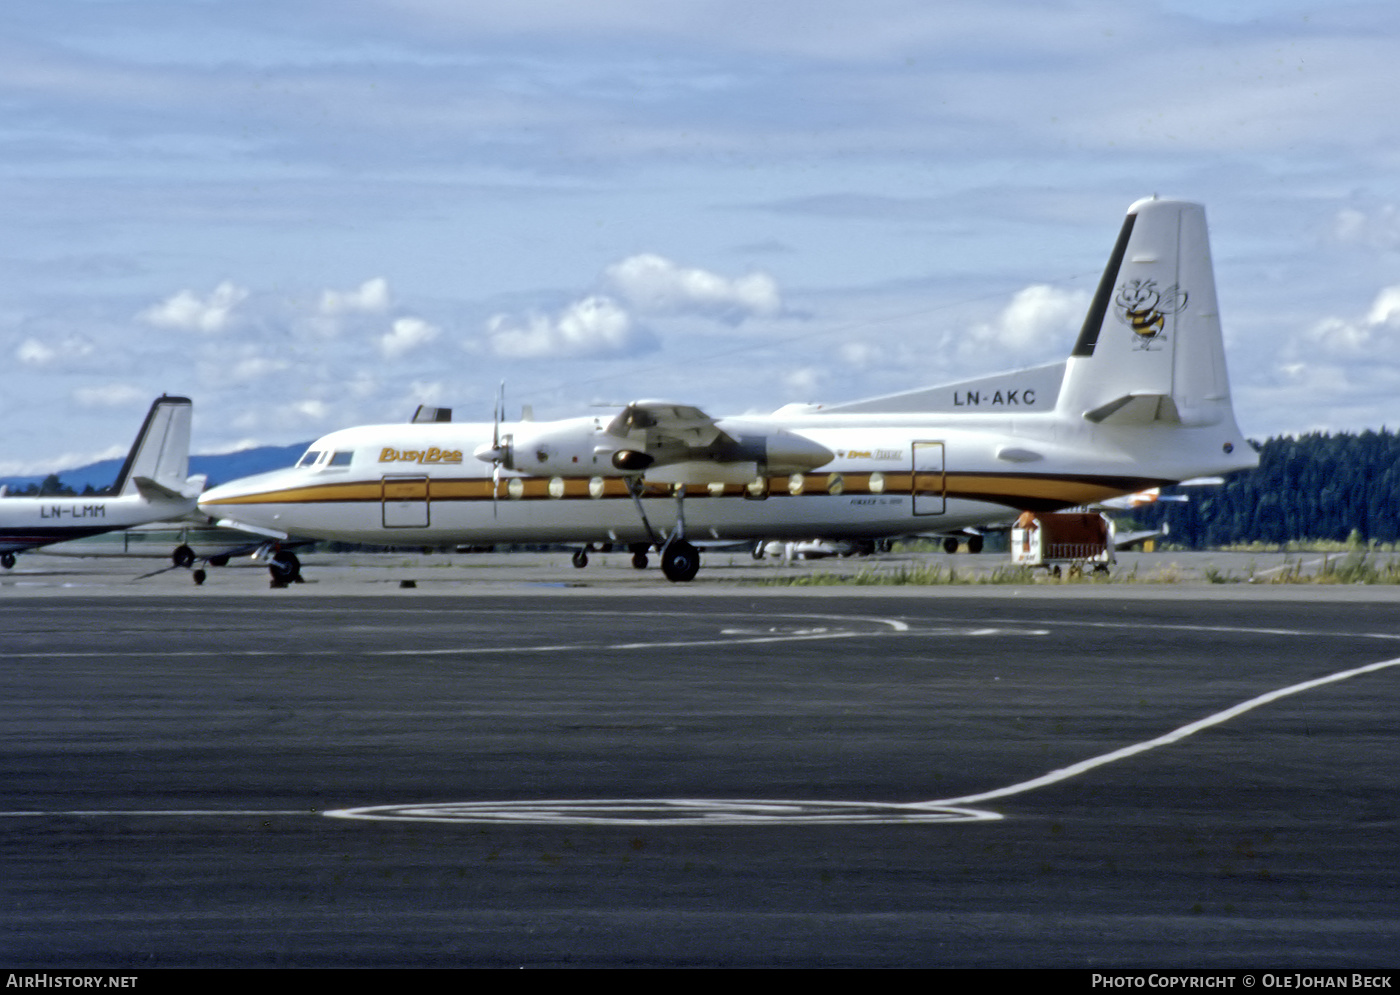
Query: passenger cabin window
column 342, row 459
column 312, row 455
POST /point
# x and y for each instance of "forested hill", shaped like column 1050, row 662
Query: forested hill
column 1318, row 486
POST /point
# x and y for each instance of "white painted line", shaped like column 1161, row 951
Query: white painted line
column 1175, row 736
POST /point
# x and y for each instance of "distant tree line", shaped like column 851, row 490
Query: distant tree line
column 51, row 486
column 1317, row 486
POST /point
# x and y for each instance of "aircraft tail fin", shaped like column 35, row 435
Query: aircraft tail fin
column 158, row 464
column 1151, row 349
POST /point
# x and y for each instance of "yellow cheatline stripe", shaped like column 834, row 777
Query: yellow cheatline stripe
column 1013, row 490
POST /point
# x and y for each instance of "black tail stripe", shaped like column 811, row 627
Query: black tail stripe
column 1093, row 321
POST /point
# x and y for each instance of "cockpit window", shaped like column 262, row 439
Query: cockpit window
column 312, row 455
column 342, row 459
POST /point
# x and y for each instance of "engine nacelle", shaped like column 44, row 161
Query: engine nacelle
column 569, row 447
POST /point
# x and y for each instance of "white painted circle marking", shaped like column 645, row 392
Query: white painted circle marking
column 670, row 812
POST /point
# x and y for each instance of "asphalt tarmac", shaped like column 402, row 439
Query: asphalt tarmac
column 697, row 776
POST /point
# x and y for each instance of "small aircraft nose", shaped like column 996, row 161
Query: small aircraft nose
column 241, row 496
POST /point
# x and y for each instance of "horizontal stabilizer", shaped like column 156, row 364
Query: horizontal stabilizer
column 1135, row 409
column 156, row 490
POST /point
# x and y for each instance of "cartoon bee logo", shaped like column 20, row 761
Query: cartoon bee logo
column 1143, row 306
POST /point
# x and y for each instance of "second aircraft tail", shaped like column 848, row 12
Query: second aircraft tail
column 158, row 464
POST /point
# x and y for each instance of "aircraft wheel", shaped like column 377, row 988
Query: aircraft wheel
column 974, row 544
column 639, row 561
column 758, row 551
column 199, row 576
column 285, row 568
column 950, row 545
column 182, row 557
column 7, row 560
column 680, row 561
column 580, row 558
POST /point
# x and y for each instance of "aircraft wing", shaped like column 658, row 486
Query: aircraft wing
column 666, row 432
column 257, row 530
column 667, row 426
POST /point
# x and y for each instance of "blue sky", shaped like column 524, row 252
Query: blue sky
column 307, row 215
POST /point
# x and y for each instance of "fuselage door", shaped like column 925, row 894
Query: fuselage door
column 929, row 485
column 405, row 502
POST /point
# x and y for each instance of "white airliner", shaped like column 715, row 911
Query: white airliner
column 1142, row 401
column 153, row 486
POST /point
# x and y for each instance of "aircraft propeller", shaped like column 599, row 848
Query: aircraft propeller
column 495, row 453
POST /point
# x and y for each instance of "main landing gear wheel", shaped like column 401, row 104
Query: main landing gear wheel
column 680, row 561
column 950, row 545
column 974, row 544
column 182, row 557
column 7, row 560
column 285, row 569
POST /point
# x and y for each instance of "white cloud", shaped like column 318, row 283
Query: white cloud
column 186, row 311
column 254, row 368
column 1332, row 374
column 1373, row 335
column 117, row 395
column 652, row 283
column 406, row 335
column 432, row 392
column 594, row 326
column 1386, row 309
column 315, row 410
column 1037, row 323
column 371, row 297
column 1378, row 229
column 860, row 355
column 805, row 383
column 605, row 323
column 35, row 353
